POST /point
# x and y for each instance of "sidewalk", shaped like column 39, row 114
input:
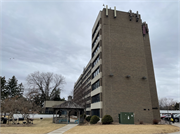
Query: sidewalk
column 178, row 125
column 63, row 129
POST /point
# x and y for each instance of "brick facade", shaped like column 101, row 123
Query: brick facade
column 125, row 51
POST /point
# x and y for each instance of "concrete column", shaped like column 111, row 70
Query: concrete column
column 100, row 96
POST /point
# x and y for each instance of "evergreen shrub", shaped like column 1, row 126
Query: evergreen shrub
column 107, row 119
column 94, row 119
column 88, row 118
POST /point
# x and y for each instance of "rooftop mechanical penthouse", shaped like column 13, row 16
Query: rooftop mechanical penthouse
column 119, row 76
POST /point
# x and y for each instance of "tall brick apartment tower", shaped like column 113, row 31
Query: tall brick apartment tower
column 119, row 77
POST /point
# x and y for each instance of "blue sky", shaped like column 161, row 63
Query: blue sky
column 55, row 36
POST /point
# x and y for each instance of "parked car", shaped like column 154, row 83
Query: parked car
column 167, row 118
column 163, row 116
column 176, row 118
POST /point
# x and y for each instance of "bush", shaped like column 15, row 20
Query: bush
column 88, row 118
column 107, row 119
column 94, row 119
column 141, row 122
column 82, row 116
column 155, row 121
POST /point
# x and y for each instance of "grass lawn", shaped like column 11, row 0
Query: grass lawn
column 38, row 127
column 123, row 129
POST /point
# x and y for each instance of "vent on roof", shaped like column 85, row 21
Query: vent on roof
column 106, row 10
column 114, row 12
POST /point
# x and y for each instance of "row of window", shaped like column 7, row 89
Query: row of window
column 95, row 40
column 88, row 85
column 95, row 51
column 95, row 61
column 87, row 112
column 87, row 92
column 86, row 75
column 95, row 30
column 95, row 73
column 96, row 98
column 88, row 105
column 96, row 85
column 95, row 112
column 87, row 69
column 87, row 80
column 77, row 84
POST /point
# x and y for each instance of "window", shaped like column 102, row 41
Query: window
column 88, row 105
column 95, row 61
column 95, row 112
column 95, row 40
column 87, row 69
column 96, row 98
column 95, row 30
column 86, row 75
column 87, row 112
column 96, row 72
column 95, row 51
column 95, row 85
column 87, row 80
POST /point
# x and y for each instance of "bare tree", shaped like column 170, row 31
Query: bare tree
column 166, row 103
column 45, row 84
column 18, row 105
column 9, row 106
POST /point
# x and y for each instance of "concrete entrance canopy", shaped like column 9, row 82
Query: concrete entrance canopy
column 64, row 110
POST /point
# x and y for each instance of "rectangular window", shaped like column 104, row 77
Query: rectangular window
column 95, row 30
column 96, row 98
column 88, row 105
column 95, row 112
column 95, row 73
column 95, row 85
column 95, row 51
column 87, row 112
column 95, row 40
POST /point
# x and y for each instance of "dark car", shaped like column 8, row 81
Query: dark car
column 167, row 118
column 176, row 119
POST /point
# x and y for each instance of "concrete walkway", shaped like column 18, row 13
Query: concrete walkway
column 178, row 125
column 63, row 129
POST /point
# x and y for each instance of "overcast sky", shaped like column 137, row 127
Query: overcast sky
column 55, row 36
